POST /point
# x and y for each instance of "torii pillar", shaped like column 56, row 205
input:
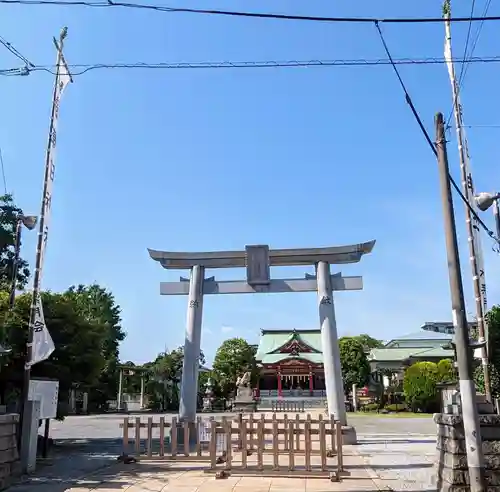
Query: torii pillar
column 192, row 346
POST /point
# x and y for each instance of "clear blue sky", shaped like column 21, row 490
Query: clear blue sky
column 216, row 159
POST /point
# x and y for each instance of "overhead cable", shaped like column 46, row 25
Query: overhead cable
column 260, row 15
column 80, row 69
column 9, row 46
column 429, row 140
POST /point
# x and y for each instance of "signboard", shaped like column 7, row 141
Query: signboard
column 47, row 392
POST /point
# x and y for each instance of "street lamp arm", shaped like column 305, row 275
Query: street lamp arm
column 485, row 200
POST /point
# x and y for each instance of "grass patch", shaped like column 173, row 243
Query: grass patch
column 398, row 415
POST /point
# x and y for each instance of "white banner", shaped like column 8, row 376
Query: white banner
column 63, row 78
column 43, row 345
column 467, row 181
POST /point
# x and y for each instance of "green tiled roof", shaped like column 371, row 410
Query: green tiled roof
column 272, row 340
column 400, row 354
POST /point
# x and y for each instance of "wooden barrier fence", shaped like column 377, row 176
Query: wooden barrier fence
column 168, row 447
column 287, row 406
column 303, row 442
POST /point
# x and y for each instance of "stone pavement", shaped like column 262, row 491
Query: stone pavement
column 400, row 462
column 157, row 476
column 393, row 454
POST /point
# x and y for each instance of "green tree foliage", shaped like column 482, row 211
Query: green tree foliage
column 97, row 306
column 369, row 342
column 8, row 220
column 77, row 358
column 420, row 384
column 355, row 366
column 234, row 357
column 446, row 370
column 164, row 375
column 493, row 320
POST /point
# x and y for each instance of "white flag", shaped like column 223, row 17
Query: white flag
column 43, row 346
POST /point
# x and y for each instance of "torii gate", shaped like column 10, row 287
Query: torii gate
column 258, row 259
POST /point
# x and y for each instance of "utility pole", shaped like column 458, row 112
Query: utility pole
column 40, row 345
column 496, row 214
column 470, row 414
column 476, row 257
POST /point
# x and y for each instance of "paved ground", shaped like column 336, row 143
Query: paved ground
column 393, row 454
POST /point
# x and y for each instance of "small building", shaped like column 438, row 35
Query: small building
column 444, row 326
column 399, row 353
column 291, row 363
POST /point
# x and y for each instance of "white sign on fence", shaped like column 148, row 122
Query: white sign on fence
column 47, row 392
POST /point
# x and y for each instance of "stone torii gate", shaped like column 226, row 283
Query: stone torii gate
column 257, row 260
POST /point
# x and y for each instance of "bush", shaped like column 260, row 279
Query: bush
column 419, row 386
column 370, row 407
column 397, row 407
column 446, row 371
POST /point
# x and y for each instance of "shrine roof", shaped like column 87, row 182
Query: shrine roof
column 283, row 358
column 271, row 341
column 401, row 354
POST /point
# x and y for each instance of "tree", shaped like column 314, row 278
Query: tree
column 369, row 342
column 97, row 306
column 77, row 358
column 232, row 358
column 354, row 363
column 493, row 322
column 420, row 386
column 165, row 375
column 446, row 371
column 8, row 221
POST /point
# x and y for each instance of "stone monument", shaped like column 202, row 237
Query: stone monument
column 244, row 401
column 208, row 399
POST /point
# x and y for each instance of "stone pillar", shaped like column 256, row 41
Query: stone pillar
column 329, row 338
column 120, row 391
column 192, row 346
column 141, row 401
column 452, row 471
column 72, row 402
column 354, row 398
column 85, row 402
column 280, row 389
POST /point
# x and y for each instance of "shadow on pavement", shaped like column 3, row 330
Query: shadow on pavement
column 396, row 441
column 394, row 466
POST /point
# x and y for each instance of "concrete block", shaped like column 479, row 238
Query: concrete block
column 459, row 461
column 349, row 435
column 461, row 477
column 457, row 446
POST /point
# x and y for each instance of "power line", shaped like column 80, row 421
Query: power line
column 469, row 29
column 260, row 15
column 3, row 172
column 476, row 39
column 80, row 69
column 15, row 52
column 465, row 66
column 430, row 142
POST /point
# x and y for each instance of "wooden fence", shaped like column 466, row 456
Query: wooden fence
column 300, row 443
column 166, row 445
column 287, row 406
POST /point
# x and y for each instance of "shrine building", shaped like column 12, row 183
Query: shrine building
column 291, row 364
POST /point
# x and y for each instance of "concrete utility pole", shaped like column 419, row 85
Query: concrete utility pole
column 473, row 444
column 476, row 257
